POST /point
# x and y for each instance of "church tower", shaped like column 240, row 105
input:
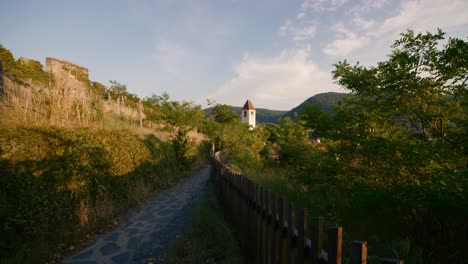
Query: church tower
column 248, row 114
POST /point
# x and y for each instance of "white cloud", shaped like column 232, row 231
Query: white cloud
column 374, row 3
column 300, row 15
column 285, row 28
column 368, row 5
column 171, row 56
column 279, row 82
column 427, row 16
column 363, row 23
column 347, row 41
column 323, row 5
column 305, row 31
column 449, row 15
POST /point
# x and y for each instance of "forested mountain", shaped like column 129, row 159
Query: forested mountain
column 324, row 100
column 263, row 115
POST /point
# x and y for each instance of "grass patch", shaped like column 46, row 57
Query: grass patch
column 209, row 239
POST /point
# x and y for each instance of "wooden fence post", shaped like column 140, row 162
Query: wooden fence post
column 335, row 236
column 254, row 221
column 241, row 213
column 264, row 226
column 275, row 228
column 250, row 221
column 262, row 220
column 316, row 239
column 358, row 252
column 236, row 212
column 302, row 235
column 282, row 230
column 269, row 227
column 259, row 223
column 291, row 233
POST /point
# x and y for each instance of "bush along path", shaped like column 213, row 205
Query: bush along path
column 148, row 233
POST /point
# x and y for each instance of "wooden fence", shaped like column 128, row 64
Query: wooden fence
column 271, row 230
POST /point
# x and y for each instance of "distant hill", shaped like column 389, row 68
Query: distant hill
column 263, row 115
column 325, row 100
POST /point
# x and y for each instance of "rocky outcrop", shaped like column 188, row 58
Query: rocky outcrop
column 74, row 78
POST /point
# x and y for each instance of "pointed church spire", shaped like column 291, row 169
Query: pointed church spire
column 248, row 105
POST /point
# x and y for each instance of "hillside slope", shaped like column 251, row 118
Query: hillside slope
column 263, row 115
column 325, row 100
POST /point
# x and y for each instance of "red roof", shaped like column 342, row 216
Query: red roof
column 248, row 105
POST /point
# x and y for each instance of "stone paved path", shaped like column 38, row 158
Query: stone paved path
column 150, row 231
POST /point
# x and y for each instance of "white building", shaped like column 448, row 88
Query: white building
column 248, row 114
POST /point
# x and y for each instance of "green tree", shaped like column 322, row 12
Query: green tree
column 24, row 71
column 98, row 88
column 402, row 139
column 185, row 149
column 293, row 142
column 174, row 114
column 117, row 87
column 240, row 145
column 422, row 84
column 8, row 61
column 315, row 118
column 223, row 114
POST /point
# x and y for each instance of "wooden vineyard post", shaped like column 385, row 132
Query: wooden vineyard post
column 335, row 236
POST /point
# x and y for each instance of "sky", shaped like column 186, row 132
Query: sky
column 277, row 53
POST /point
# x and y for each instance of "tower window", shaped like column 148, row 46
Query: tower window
column 251, row 113
column 245, row 113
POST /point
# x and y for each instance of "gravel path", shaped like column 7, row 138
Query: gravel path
column 149, row 232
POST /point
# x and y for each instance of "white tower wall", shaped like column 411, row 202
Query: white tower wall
column 249, row 117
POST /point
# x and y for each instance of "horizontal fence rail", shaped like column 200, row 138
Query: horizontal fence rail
column 271, row 230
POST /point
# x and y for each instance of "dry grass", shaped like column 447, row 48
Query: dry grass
column 38, row 106
column 197, row 137
column 49, row 106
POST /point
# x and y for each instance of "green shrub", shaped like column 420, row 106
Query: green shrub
column 51, row 179
column 185, row 148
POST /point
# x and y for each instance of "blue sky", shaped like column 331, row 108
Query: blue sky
column 277, row 53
